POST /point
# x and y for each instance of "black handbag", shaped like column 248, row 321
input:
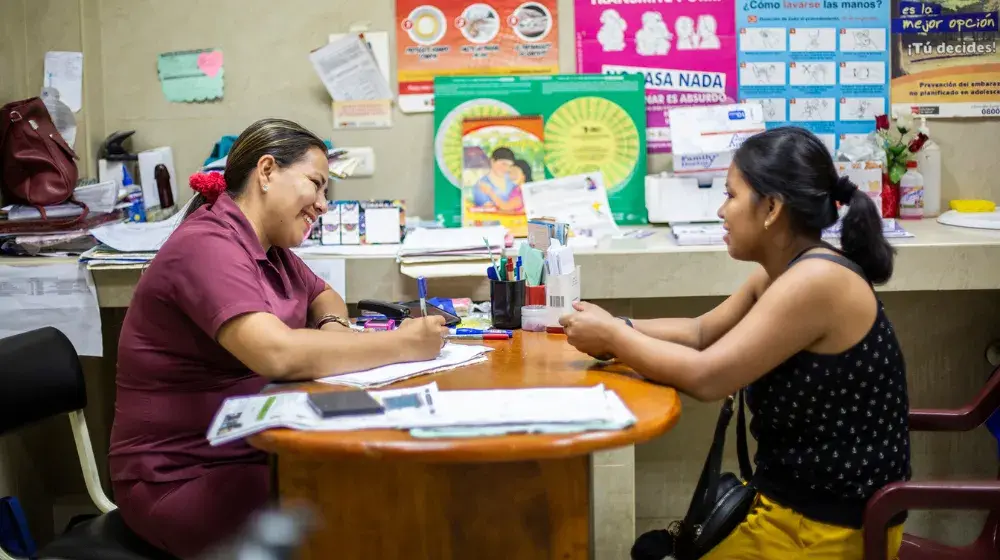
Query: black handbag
column 720, row 503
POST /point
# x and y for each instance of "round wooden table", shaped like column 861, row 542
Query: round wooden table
column 384, row 495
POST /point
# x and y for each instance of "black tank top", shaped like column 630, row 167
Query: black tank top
column 832, row 429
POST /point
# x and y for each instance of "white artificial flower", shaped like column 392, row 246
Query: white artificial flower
column 905, row 122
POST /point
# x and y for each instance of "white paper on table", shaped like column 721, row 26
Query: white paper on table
column 578, row 200
column 137, row 237
column 60, row 295
column 64, row 71
column 349, row 71
column 445, row 240
column 452, row 355
column 312, row 248
column 332, row 271
column 714, row 128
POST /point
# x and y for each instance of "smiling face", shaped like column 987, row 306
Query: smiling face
column 744, row 214
column 295, row 197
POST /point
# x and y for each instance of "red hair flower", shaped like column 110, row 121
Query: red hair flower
column 209, row 185
column 882, row 122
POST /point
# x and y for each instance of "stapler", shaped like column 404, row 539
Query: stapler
column 387, row 309
column 113, row 148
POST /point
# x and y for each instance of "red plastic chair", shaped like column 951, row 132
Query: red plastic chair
column 974, row 495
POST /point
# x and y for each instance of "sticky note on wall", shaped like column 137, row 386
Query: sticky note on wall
column 191, row 76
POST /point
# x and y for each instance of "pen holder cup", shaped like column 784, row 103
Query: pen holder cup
column 506, row 301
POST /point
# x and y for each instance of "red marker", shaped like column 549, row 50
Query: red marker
column 487, row 336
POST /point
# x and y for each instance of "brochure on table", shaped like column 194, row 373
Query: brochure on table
column 580, row 201
column 685, row 51
column 428, row 408
column 821, row 65
column 591, row 123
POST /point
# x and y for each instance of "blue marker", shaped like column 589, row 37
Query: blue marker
column 422, row 291
column 463, row 331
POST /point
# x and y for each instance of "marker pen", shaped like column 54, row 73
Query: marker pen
column 477, row 337
column 507, row 333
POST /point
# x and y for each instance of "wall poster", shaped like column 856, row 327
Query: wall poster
column 450, row 38
column 685, row 51
column 819, row 64
column 589, row 123
column 945, row 60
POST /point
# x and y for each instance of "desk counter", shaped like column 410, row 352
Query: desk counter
column 938, row 258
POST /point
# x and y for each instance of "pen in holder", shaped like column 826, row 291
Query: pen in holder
column 506, row 301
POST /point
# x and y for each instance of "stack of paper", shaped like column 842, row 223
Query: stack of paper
column 453, row 244
column 434, row 413
column 452, row 356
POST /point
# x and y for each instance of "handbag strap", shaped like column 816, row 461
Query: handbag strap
column 742, row 451
column 706, row 493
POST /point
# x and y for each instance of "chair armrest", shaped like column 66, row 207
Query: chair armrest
column 962, row 419
column 904, row 496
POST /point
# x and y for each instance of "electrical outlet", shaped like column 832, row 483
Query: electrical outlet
column 366, row 161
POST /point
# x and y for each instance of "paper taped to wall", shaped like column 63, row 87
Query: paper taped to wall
column 52, row 295
column 64, row 72
column 190, row 76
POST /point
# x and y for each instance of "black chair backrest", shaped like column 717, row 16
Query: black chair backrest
column 40, row 376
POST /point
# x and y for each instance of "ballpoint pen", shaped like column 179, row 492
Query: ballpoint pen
column 483, row 336
column 463, row 330
column 422, row 292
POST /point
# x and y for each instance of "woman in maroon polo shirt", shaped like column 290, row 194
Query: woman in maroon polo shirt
column 223, row 308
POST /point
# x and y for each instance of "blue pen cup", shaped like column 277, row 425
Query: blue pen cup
column 506, row 301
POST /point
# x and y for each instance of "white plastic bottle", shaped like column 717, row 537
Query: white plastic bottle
column 929, row 165
column 911, row 193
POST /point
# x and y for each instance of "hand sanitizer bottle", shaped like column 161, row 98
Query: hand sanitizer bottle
column 929, row 165
column 911, row 193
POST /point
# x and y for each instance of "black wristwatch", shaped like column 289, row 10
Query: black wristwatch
column 627, row 321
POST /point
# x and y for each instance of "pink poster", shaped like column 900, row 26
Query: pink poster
column 686, row 49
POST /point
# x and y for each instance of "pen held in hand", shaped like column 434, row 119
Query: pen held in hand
column 422, row 291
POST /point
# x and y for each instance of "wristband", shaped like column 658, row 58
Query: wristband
column 330, row 318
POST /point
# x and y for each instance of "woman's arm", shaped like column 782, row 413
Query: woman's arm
column 701, row 332
column 328, row 302
column 785, row 320
column 268, row 347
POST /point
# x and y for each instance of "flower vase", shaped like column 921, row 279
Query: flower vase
column 890, row 197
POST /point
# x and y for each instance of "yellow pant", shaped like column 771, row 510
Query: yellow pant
column 773, row 531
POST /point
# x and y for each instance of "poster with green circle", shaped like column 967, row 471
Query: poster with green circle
column 592, row 122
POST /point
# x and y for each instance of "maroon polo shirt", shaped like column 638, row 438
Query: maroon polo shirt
column 172, row 374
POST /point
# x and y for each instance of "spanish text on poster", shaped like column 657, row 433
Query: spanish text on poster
column 945, row 61
column 686, row 52
column 449, row 38
column 818, row 64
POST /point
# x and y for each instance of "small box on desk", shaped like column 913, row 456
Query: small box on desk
column 561, row 292
column 363, row 222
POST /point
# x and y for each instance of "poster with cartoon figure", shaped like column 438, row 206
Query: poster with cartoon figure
column 686, row 52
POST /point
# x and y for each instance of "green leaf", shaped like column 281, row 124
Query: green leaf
column 897, row 171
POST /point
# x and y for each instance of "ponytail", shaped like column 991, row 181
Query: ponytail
column 862, row 241
column 196, row 202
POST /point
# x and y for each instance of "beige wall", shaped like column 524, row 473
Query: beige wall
column 268, row 74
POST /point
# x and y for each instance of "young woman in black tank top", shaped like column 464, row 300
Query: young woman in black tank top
column 808, row 338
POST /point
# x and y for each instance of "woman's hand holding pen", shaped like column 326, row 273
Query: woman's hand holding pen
column 422, row 337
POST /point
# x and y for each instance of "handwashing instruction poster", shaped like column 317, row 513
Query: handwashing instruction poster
column 819, row 64
column 945, row 59
column 590, row 123
column 450, row 38
column 685, row 51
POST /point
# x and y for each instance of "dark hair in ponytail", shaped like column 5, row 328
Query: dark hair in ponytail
column 286, row 141
column 793, row 165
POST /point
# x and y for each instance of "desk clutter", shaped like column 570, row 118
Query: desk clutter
column 427, row 412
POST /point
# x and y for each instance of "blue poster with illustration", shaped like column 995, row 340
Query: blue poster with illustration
column 819, row 64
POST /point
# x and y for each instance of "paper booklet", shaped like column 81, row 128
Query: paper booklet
column 424, row 407
column 452, row 356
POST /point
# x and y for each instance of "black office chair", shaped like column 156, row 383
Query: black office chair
column 41, row 377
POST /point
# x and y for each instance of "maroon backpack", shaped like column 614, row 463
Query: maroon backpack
column 38, row 166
